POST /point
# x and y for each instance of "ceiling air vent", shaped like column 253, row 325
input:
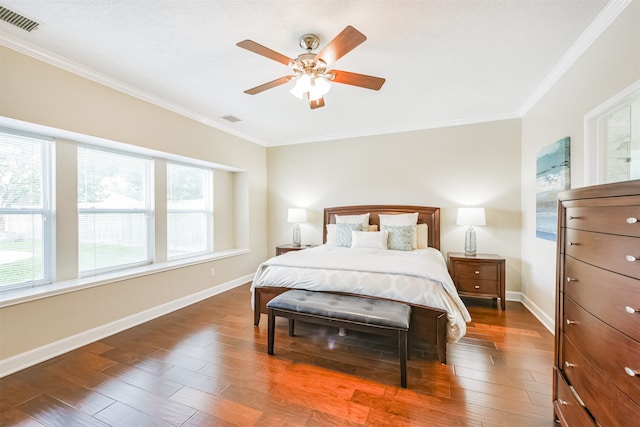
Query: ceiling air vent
column 17, row 20
column 232, row 119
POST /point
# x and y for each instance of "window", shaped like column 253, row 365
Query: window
column 114, row 211
column 612, row 139
column 623, row 143
column 25, row 210
column 189, row 211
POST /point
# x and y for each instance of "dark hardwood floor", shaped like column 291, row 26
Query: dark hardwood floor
column 207, row 365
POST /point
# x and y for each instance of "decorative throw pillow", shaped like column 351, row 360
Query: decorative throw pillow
column 400, row 236
column 402, row 219
column 369, row 239
column 343, row 233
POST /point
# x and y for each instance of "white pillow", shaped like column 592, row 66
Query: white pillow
column 369, row 239
column 423, row 236
column 403, row 219
column 353, row 219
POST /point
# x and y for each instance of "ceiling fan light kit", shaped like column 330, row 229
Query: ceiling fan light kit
column 310, row 69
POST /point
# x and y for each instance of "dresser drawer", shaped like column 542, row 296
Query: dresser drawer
column 605, row 219
column 609, row 351
column 604, row 294
column 608, row 405
column 569, row 411
column 607, row 251
column 476, row 270
column 480, row 287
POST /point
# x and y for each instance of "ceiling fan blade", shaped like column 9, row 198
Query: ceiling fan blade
column 317, row 103
column 355, row 79
column 269, row 85
column 342, row 44
column 264, row 51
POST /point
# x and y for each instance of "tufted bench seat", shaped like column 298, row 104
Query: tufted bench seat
column 375, row 316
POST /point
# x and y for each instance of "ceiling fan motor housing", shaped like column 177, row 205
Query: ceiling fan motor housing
column 309, row 42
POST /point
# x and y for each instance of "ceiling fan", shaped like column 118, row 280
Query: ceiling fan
column 310, row 69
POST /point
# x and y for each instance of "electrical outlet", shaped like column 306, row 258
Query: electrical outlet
column 213, row 272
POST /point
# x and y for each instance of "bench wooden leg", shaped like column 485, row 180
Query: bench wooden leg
column 271, row 331
column 402, row 341
column 291, row 327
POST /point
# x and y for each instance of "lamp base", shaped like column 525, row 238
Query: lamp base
column 470, row 242
column 297, row 238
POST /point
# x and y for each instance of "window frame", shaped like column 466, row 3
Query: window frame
column 148, row 211
column 46, row 210
column 208, row 212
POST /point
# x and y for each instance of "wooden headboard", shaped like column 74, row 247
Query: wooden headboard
column 426, row 215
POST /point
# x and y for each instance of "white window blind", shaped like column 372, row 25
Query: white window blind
column 25, row 210
column 114, row 208
column 189, row 211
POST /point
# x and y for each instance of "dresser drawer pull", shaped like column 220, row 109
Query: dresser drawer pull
column 477, row 287
column 574, row 217
column 631, row 258
column 571, row 279
column 569, row 365
column 631, row 310
column 476, row 272
column 563, row 402
column 632, row 220
column 571, row 322
column 573, row 244
column 631, row 372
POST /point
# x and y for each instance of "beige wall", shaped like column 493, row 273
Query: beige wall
column 447, row 167
column 611, row 64
column 35, row 92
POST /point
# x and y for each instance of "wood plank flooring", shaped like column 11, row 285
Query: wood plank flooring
column 207, row 365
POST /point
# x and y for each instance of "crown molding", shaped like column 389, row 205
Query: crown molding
column 73, row 67
column 604, row 19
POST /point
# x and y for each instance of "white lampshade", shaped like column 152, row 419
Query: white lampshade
column 296, row 215
column 471, row 216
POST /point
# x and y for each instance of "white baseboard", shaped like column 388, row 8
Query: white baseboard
column 546, row 321
column 40, row 354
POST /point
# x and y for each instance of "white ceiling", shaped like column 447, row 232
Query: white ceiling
column 445, row 62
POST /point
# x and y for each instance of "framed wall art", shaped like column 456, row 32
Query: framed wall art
column 553, row 175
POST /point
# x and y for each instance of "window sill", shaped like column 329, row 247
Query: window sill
column 19, row 296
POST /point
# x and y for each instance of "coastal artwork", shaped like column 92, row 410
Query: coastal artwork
column 553, row 175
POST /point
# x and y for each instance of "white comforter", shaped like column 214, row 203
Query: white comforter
column 419, row 276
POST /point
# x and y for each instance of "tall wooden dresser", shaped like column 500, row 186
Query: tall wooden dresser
column 597, row 351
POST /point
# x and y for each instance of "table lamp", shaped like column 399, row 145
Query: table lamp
column 296, row 216
column 470, row 217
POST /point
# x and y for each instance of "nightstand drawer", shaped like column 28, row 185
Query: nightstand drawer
column 474, row 286
column 471, row 270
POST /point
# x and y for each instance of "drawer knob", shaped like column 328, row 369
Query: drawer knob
column 563, row 402
column 571, row 279
column 631, row 372
column 477, row 286
column 632, row 220
column 569, row 365
column 571, row 322
column 476, row 272
column 631, row 310
column 573, row 217
column 573, row 244
column 631, row 258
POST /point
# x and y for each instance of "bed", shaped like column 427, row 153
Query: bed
column 416, row 275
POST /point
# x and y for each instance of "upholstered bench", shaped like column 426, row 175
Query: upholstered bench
column 375, row 316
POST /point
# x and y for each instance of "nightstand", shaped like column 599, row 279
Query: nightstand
column 480, row 276
column 281, row 249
